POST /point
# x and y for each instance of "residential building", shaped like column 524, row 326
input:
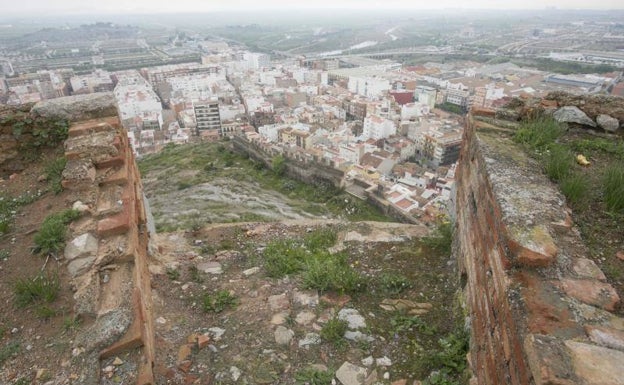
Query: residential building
column 376, row 127
column 207, row 115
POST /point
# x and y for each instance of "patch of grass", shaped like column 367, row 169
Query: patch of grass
column 4, row 254
column 334, row 330
column 320, row 239
column 450, row 359
column 173, row 274
column 22, row 381
column 45, row 312
column 599, row 145
column 8, row 351
column 218, row 302
column 393, row 283
column 441, row 239
column 540, row 133
column 558, row 162
column 183, row 185
column 71, row 323
column 613, row 188
column 283, row 257
column 10, row 205
column 41, row 288
column 313, row 376
column 575, row 187
column 195, row 274
column 54, row 174
column 402, row 323
column 51, row 236
column 324, row 271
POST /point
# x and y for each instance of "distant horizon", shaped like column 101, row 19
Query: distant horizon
column 150, row 7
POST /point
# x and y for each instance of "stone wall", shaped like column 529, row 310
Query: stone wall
column 307, row 171
column 540, row 311
column 107, row 252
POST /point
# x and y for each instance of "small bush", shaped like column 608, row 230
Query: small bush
column 312, row 376
column 218, row 302
column 613, row 188
column 51, row 236
column 278, row 165
column 41, row 288
column 334, row 330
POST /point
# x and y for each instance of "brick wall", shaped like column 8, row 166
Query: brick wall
column 540, row 311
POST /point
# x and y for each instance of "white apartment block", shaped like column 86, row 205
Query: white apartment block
column 376, row 127
column 370, row 87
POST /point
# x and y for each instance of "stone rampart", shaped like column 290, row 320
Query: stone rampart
column 107, row 254
column 541, row 312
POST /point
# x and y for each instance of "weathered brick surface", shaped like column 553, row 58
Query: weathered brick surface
column 111, row 184
column 529, row 288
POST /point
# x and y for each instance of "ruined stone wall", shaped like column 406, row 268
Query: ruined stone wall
column 309, row 172
column 107, row 255
column 540, row 311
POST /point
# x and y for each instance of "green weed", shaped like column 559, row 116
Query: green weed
column 45, row 312
column 441, row 239
column 393, row 283
column 320, row 239
column 334, row 330
column 195, row 274
column 312, row 376
column 71, row 323
column 324, row 271
column 41, row 288
column 450, row 359
column 8, row 351
column 218, row 302
column 173, row 274
column 283, row 257
column 54, row 173
column 51, row 236
column 402, row 323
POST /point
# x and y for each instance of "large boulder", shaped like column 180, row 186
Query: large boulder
column 78, row 107
column 572, row 114
column 607, row 123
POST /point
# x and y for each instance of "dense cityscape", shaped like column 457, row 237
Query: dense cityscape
column 311, row 194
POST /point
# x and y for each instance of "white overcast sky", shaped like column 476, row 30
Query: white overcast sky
column 159, row 6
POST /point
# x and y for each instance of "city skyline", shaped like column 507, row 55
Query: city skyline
column 147, row 6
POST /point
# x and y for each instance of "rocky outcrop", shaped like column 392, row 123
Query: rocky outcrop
column 78, row 108
column 607, row 123
column 572, row 114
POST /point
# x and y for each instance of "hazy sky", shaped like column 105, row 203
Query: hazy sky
column 158, row 6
